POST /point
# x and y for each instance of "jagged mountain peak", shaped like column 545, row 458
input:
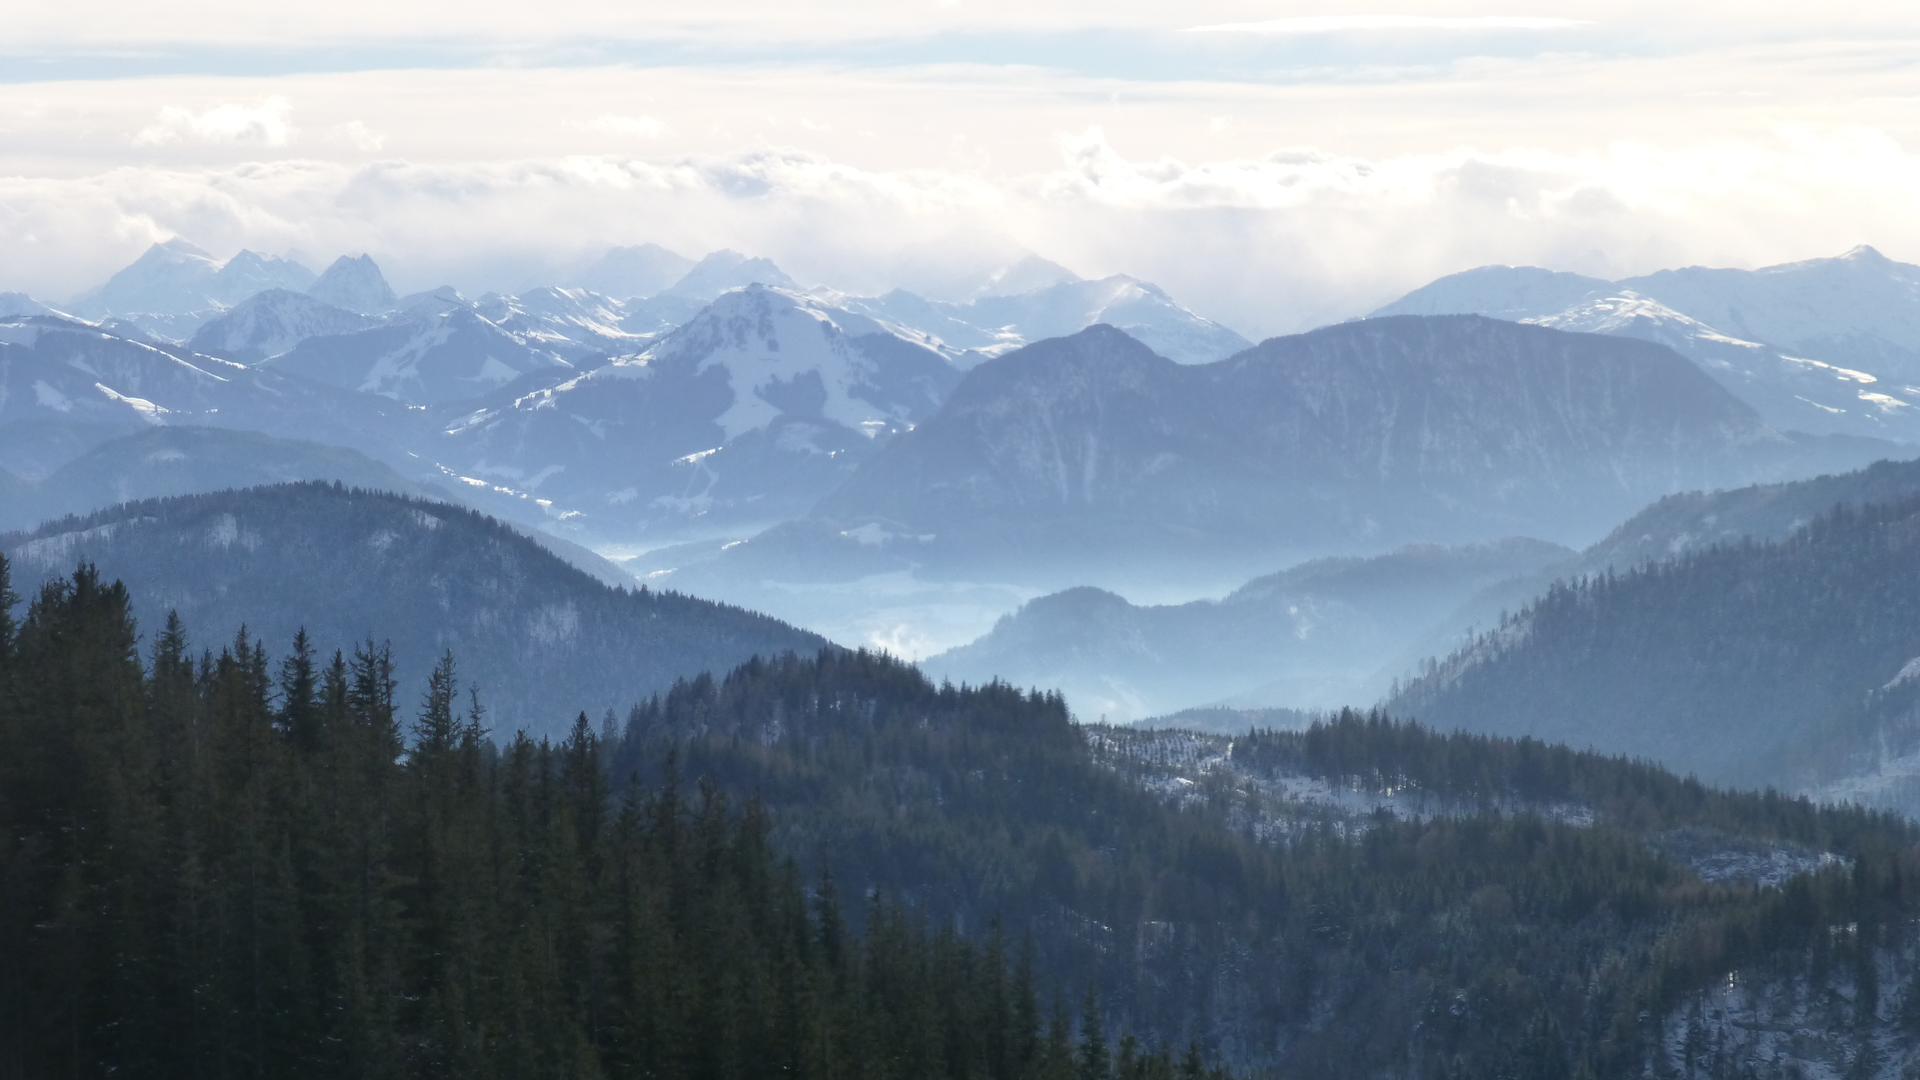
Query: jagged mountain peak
column 780, row 348
column 355, row 283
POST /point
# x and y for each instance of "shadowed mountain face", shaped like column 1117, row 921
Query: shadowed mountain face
column 540, row 639
column 1741, row 663
column 1364, row 434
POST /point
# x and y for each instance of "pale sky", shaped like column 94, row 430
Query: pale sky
column 1272, row 165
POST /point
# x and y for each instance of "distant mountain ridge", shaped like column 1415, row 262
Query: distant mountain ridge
column 1312, row 636
column 1822, row 345
column 1386, row 430
column 540, row 639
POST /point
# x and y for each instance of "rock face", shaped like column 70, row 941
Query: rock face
column 540, row 640
column 1449, row 429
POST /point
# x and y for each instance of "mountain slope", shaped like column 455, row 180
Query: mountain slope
column 1312, row 636
column 272, row 322
column 1825, row 345
column 572, row 324
column 540, row 639
column 1724, row 661
column 67, row 386
column 1823, row 307
column 1789, row 392
column 1450, row 429
column 426, row 360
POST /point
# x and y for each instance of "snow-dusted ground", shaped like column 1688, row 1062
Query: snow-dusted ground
column 1192, row 767
column 1836, row 1028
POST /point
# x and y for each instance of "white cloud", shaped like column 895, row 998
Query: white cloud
column 355, row 135
column 639, row 127
column 1330, row 24
column 1269, row 244
column 265, row 123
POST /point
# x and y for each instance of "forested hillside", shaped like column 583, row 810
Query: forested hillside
column 226, row 866
column 220, row 863
column 1724, row 662
column 541, row 639
column 1492, row 934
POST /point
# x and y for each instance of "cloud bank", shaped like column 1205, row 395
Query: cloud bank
column 1272, row 244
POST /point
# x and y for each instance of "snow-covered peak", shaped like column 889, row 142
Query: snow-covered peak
column 168, row 277
column 1615, row 312
column 1814, row 306
column 272, row 322
column 355, row 284
column 786, row 352
column 569, row 323
column 1515, row 293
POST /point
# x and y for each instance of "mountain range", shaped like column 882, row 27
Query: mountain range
column 873, row 466
column 1362, row 897
column 1091, row 456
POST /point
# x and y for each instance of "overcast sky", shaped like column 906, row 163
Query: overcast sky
column 1274, row 165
